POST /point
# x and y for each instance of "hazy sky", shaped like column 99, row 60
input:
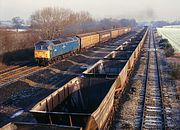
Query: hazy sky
column 139, row 9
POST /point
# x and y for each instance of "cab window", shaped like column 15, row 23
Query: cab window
column 44, row 47
column 41, row 47
column 37, row 47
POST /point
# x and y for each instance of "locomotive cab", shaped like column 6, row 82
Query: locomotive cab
column 42, row 52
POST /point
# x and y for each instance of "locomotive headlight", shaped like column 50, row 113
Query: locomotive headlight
column 47, row 54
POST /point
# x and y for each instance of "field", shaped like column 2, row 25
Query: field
column 173, row 35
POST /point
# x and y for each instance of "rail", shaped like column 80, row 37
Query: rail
column 146, row 79
column 160, row 85
column 153, row 110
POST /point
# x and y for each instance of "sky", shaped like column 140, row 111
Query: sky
column 141, row 10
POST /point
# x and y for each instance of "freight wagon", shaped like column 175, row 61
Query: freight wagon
column 78, row 103
column 88, row 39
column 104, row 35
column 114, row 33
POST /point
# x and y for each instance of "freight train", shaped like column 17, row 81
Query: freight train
column 87, row 102
column 49, row 51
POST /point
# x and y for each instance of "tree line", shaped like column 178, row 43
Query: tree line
column 53, row 22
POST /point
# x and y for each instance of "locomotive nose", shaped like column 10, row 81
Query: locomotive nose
column 42, row 54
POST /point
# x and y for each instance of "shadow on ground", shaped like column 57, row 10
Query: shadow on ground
column 16, row 57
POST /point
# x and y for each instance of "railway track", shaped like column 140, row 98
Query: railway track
column 9, row 69
column 12, row 70
column 151, row 110
column 13, row 67
column 133, row 109
column 13, row 74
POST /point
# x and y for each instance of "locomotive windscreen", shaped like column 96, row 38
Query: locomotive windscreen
column 42, row 45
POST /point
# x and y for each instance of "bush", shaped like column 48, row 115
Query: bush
column 169, row 52
column 163, row 40
column 175, row 70
column 168, row 49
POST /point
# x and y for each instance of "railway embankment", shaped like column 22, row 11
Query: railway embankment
column 172, row 59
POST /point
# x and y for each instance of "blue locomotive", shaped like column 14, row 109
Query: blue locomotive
column 51, row 50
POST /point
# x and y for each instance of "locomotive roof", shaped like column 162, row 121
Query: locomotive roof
column 42, row 42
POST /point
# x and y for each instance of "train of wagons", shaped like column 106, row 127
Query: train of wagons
column 48, row 51
column 88, row 102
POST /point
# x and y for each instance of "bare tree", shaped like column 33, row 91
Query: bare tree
column 18, row 22
column 84, row 19
column 51, row 22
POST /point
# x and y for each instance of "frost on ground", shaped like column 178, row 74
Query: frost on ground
column 170, row 93
column 173, row 35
